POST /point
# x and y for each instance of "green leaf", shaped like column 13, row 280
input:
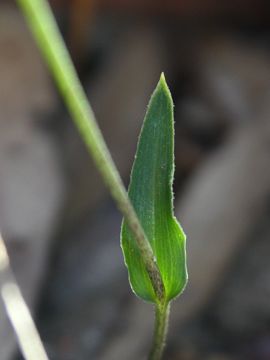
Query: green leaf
column 151, row 194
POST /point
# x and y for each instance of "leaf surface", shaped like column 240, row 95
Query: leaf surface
column 151, row 194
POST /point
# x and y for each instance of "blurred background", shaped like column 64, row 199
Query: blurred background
column 59, row 222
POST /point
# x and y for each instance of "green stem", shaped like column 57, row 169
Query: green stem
column 160, row 332
column 42, row 23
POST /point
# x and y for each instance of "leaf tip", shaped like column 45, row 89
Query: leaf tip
column 162, row 76
column 163, row 86
column 162, row 80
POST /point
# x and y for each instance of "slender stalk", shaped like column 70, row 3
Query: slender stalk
column 18, row 312
column 42, row 23
column 160, row 332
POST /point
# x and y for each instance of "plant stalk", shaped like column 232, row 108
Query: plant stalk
column 43, row 25
column 160, row 332
column 18, row 312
